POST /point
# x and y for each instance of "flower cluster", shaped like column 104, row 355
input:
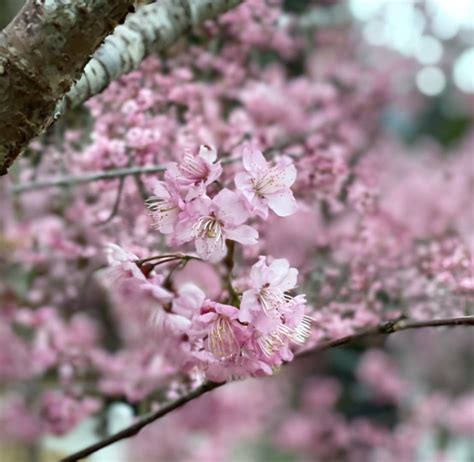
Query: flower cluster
column 251, row 337
column 182, row 207
column 279, row 180
column 253, row 334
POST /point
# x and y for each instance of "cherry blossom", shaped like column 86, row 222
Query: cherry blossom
column 166, row 205
column 195, row 172
column 254, row 112
column 266, row 187
column 217, row 220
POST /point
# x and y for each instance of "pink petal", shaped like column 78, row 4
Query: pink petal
column 282, row 276
column 208, row 153
column 244, row 234
column 227, row 310
column 253, row 159
column 115, row 254
column 288, row 176
column 282, row 203
column 231, row 210
column 215, row 173
column 160, row 190
column 211, row 249
column 177, row 323
column 258, row 273
column 190, row 299
column 183, row 230
column 248, row 305
column 243, row 181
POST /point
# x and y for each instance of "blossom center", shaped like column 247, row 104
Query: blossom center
column 209, row 227
column 163, row 210
column 266, row 183
column 194, row 168
column 274, row 301
column 222, row 342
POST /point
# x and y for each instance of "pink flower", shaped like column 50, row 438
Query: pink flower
column 166, row 205
column 268, row 284
column 189, row 300
column 195, row 172
column 216, row 221
column 276, row 315
column 221, row 328
column 122, row 262
column 124, row 267
column 266, row 187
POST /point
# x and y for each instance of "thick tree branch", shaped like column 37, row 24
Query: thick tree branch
column 42, row 52
column 151, row 29
column 386, row 328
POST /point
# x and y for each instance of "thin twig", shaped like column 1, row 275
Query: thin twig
column 72, row 180
column 143, row 422
column 385, row 328
column 116, row 205
column 174, row 256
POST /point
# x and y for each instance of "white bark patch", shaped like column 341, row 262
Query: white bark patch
column 153, row 27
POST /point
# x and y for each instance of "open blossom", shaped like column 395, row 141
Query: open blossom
column 219, row 323
column 165, row 205
column 268, row 286
column 195, row 172
column 276, row 315
column 216, row 221
column 266, row 187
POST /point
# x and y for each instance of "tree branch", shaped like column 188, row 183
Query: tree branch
column 385, row 328
column 74, row 180
column 135, row 428
column 151, row 29
column 42, row 52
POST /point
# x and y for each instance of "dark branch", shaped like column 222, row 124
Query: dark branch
column 135, row 428
column 385, row 328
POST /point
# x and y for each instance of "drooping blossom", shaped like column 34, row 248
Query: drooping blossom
column 266, row 187
column 122, row 262
column 126, row 267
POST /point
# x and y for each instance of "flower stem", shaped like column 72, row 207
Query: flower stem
column 229, row 265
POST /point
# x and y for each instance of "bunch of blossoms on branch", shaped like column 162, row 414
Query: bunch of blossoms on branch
column 245, row 333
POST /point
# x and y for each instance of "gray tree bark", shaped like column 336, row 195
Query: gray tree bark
column 42, row 52
column 151, row 29
column 45, row 49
